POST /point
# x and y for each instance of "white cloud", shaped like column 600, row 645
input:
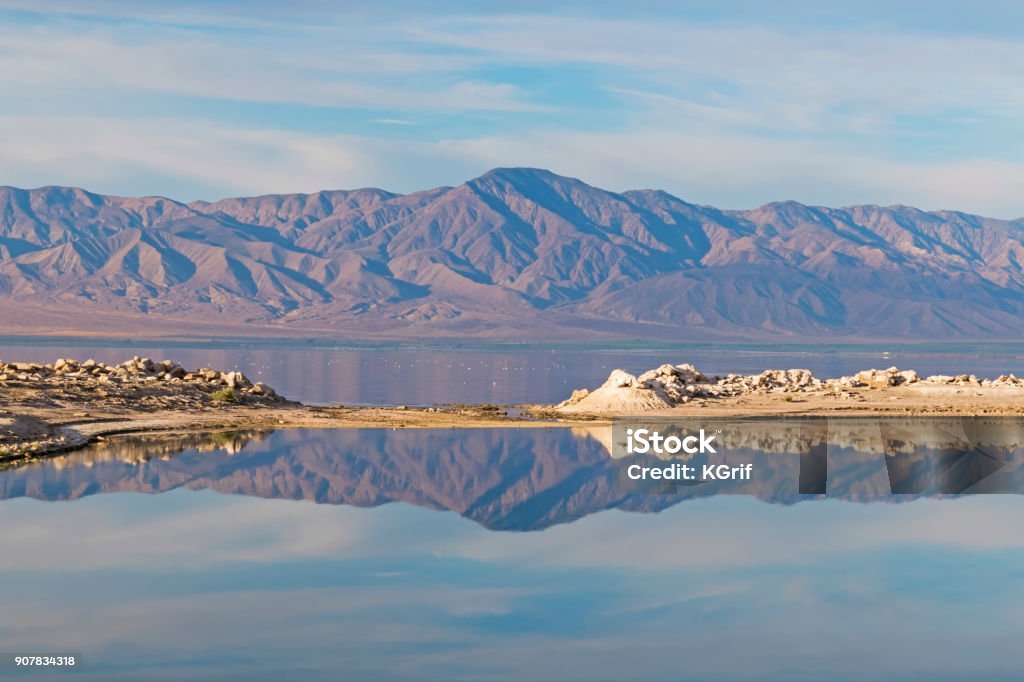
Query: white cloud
column 744, row 532
column 730, row 115
column 739, row 171
column 782, row 78
column 239, row 530
column 170, row 155
column 210, row 528
column 346, row 71
column 393, row 122
column 801, row 78
column 188, row 159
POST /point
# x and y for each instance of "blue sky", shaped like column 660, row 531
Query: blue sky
column 726, row 103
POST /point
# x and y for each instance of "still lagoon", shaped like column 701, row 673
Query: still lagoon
column 487, row 554
column 390, row 374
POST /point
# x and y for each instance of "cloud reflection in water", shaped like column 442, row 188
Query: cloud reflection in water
column 196, row 584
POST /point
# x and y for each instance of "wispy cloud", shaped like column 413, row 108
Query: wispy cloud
column 189, row 159
column 745, row 532
column 195, row 66
column 720, row 110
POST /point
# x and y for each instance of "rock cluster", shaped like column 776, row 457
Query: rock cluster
column 971, row 380
column 881, row 378
column 678, row 383
column 623, row 391
column 671, row 385
column 137, row 371
column 770, row 380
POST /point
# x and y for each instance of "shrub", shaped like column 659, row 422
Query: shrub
column 227, row 395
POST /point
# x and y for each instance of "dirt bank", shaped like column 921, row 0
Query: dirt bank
column 48, row 409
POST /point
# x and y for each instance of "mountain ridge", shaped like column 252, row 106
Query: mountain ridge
column 507, row 255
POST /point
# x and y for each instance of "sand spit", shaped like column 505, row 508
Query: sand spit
column 669, row 388
column 51, row 408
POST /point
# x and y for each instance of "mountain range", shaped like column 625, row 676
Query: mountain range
column 515, row 254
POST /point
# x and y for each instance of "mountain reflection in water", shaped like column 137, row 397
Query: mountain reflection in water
column 193, row 584
column 533, row 478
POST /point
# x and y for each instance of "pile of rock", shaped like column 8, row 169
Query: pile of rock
column 678, row 383
column 671, row 385
column 972, row 380
column 622, row 391
column 132, row 372
column 881, row 378
column 769, row 381
column 666, row 386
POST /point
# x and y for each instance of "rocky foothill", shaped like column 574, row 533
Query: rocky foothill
column 136, row 379
column 672, row 385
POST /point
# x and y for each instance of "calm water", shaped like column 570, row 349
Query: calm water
column 395, row 375
column 489, row 554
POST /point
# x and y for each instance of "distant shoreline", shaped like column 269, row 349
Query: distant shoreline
column 52, row 432
column 811, row 346
column 50, row 409
column 42, row 438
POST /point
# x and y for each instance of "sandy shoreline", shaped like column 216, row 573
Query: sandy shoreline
column 48, row 410
column 34, row 432
column 37, row 433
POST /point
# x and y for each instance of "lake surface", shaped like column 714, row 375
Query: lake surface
column 510, row 554
column 405, row 375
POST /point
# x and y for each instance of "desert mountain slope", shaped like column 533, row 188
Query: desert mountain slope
column 511, row 254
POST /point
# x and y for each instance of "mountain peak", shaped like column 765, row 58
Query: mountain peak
column 516, row 253
column 525, row 179
column 518, row 173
